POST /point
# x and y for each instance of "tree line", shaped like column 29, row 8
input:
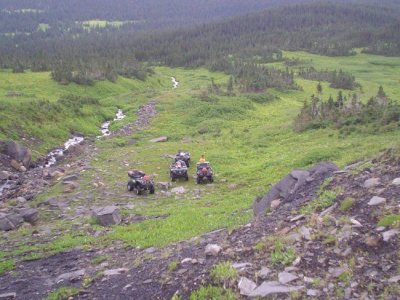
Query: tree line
column 348, row 114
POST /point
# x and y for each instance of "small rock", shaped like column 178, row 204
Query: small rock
column 108, row 215
column 355, row 222
column 264, row 272
column 113, row 272
column 246, row 286
column 376, row 201
column 159, row 139
column 181, row 271
column 286, row 277
column 308, row 279
column 373, row 241
column 17, row 166
column 297, row 218
column 8, row 296
column 297, row 261
column 396, row 181
column 71, row 177
column 163, row 185
column 380, row 228
column 394, row 279
column 372, row 182
column 30, row 215
column 71, row 276
column 148, row 281
column 127, row 287
column 178, row 190
column 347, row 293
column 21, row 200
column 150, row 250
column 291, row 269
column 336, row 272
column 70, row 186
column 306, row 232
column 313, row 293
column 275, row 204
column 387, row 235
column 4, row 175
column 241, row 266
column 186, row 260
column 212, row 250
column 273, row 287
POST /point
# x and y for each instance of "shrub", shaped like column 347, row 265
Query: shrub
column 283, row 255
column 223, row 272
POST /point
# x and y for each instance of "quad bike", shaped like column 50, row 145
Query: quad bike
column 204, row 172
column 140, row 182
column 183, row 155
column 178, row 170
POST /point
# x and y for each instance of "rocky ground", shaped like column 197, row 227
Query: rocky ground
column 322, row 243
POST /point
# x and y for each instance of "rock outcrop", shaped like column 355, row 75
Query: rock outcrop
column 291, row 184
column 16, row 151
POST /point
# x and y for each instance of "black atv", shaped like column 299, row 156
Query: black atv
column 204, row 172
column 183, row 155
column 178, row 170
column 139, row 183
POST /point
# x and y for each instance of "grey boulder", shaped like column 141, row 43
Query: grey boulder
column 108, row 215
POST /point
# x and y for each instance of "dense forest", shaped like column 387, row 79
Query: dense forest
column 75, row 53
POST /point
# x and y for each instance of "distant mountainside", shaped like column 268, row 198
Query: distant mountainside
column 324, row 28
column 25, row 15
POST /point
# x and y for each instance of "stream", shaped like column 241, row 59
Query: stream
column 56, row 154
column 174, row 83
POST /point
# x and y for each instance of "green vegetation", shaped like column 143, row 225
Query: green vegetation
column 389, row 220
column 173, row 265
column 99, row 259
column 213, row 293
column 6, row 265
column 324, row 200
column 346, row 204
column 282, row 254
column 62, row 293
column 223, row 272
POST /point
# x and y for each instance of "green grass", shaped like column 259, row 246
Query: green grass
column 223, row 272
column 62, row 293
column 213, row 293
column 282, row 254
column 389, row 220
column 324, row 200
column 346, row 204
column 6, row 265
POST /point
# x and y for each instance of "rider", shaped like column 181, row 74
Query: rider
column 202, row 158
column 136, row 174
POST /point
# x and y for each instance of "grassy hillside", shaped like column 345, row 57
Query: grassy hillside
column 250, row 144
column 30, row 106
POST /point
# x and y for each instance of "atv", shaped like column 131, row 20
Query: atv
column 178, row 170
column 183, row 155
column 140, row 182
column 204, row 172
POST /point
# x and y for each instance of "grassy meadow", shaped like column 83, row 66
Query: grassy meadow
column 251, row 145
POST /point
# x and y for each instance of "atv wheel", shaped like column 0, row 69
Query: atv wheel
column 186, row 177
column 198, row 180
column 211, row 179
column 138, row 191
column 130, row 186
column 151, row 190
